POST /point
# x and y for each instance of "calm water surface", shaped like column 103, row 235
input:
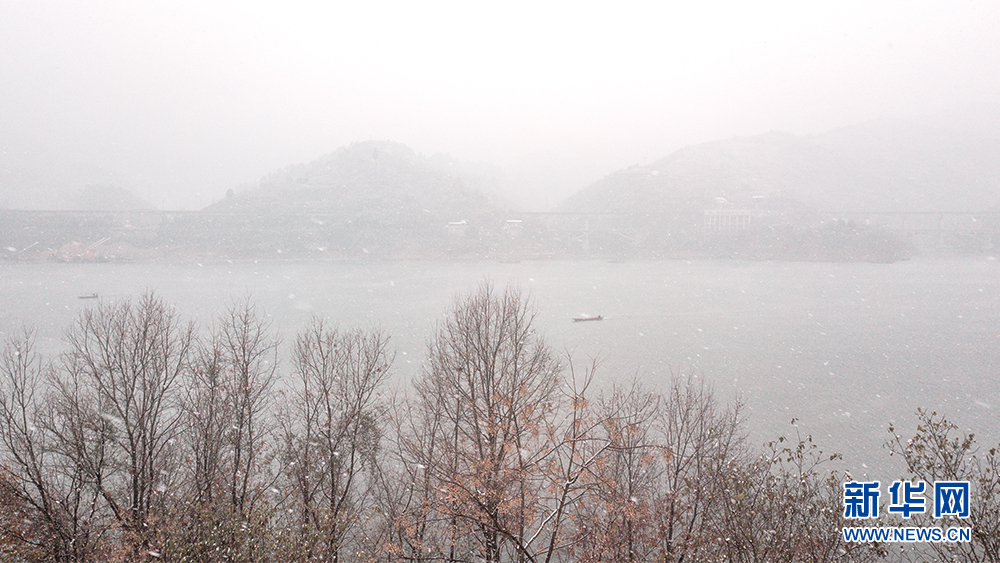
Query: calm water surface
column 845, row 348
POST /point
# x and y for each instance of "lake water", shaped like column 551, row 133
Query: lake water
column 845, row 348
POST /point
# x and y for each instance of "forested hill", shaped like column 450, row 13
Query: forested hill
column 373, row 197
column 782, row 196
column 884, row 165
column 372, row 180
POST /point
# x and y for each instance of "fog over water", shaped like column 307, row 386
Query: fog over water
column 845, row 348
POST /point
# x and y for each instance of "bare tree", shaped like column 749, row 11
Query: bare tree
column 208, row 412
column 125, row 367
column 660, row 479
column 229, row 442
column 414, row 529
column 575, row 449
column 785, row 506
column 489, row 389
column 703, row 441
column 83, row 442
column 940, row 452
column 616, row 521
column 48, row 502
column 249, row 358
column 332, row 434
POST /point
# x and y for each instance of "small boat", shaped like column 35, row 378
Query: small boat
column 581, row 319
column 88, row 296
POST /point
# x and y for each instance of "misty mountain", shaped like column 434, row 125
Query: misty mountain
column 369, row 197
column 30, row 179
column 107, row 197
column 884, row 165
column 373, row 180
column 779, row 196
column 900, row 165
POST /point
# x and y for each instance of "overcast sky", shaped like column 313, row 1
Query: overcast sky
column 179, row 101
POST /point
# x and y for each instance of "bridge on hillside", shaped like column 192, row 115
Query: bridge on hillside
column 972, row 227
column 923, row 221
column 582, row 227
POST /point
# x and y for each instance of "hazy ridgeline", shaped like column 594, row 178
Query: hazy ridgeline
column 149, row 439
column 774, row 196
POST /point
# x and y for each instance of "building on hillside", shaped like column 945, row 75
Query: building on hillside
column 457, row 228
column 727, row 220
